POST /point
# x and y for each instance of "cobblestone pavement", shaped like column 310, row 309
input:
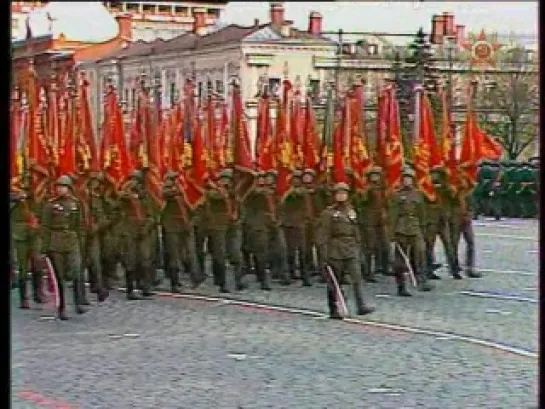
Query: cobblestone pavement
column 176, row 353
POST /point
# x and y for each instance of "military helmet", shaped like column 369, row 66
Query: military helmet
column 171, row 175
column 226, row 173
column 375, row 170
column 440, row 170
column 137, row 174
column 297, row 173
column 341, row 186
column 408, row 172
column 64, row 180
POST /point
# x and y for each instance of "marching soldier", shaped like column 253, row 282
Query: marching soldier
column 97, row 223
column 277, row 249
column 63, row 228
column 463, row 226
column 407, row 225
column 293, row 216
column 339, row 242
column 26, row 242
column 438, row 223
column 507, row 191
column 111, row 236
column 220, row 213
column 259, row 217
column 318, row 199
column 138, row 225
column 375, row 221
column 177, row 221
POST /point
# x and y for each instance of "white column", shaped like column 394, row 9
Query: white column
column 166, row 89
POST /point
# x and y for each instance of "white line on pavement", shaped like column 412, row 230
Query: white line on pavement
column 501, row 226
column 394, row 327
column 517, row 272
column 507, row 236
column 499, row 296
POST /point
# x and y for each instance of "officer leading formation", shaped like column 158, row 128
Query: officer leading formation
column 299, row 209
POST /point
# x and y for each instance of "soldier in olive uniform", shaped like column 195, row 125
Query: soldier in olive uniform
column 462, row 211
column 98, row 222
column 318, row 199
column 63, row 230
column 527, row 193
column 439, row 222
column 177, row 221
column 27, row 244
column 407, row 225
column 507, row 191
column 220, row 215
column 339, row 242
column 260, row 217
column 293, row 217
column 138, row 224
column 111, row 236
column 374, row 210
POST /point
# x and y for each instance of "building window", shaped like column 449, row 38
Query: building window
column 214, row 13
column 219, row 87
column 181, row 11
column 126, row 99
column 133, row 7
column 14, row 24
column 165, row 9
column 116, row 6
column 148, row 8
column 372, row 49
column 133, row 98
column 314, row 89
column 172, row 93
column 274, row 86
column 199, row 89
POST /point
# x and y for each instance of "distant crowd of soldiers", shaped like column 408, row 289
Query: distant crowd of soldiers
column 507, row 189
column 320, row 225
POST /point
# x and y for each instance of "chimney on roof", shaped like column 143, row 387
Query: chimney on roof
column 124, row 22
column 199, row 25
column 437, row 29
column 460, row 34
column 315, row 23
column 449, row 24
column 277, row 14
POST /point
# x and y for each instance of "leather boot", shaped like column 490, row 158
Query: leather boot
column 37, row 284
column 23, row 297
column 78, row 299
column 402, row 290
column 423, row 283
column 240, row 282
column 473, row 274
column 363, row 309
column 266, row 281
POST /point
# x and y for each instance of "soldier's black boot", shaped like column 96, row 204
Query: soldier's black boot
column 220, row 276
column 78, row 298
column 240, row 282
column 174, row 275
column 423, row 283
column 363, row 309
column 266, row 282
column 431, row 273
column 305, row 276
column 333, row 311
column 23, row 297
column 471, row 273
column 131, row 296
column 61, row 313
column 37, row 283
column 402, row 290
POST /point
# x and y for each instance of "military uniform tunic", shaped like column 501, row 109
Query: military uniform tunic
column 407, row 225
column 339, row 242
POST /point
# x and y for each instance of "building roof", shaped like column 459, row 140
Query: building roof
column 226, row 34
column 86, row 22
